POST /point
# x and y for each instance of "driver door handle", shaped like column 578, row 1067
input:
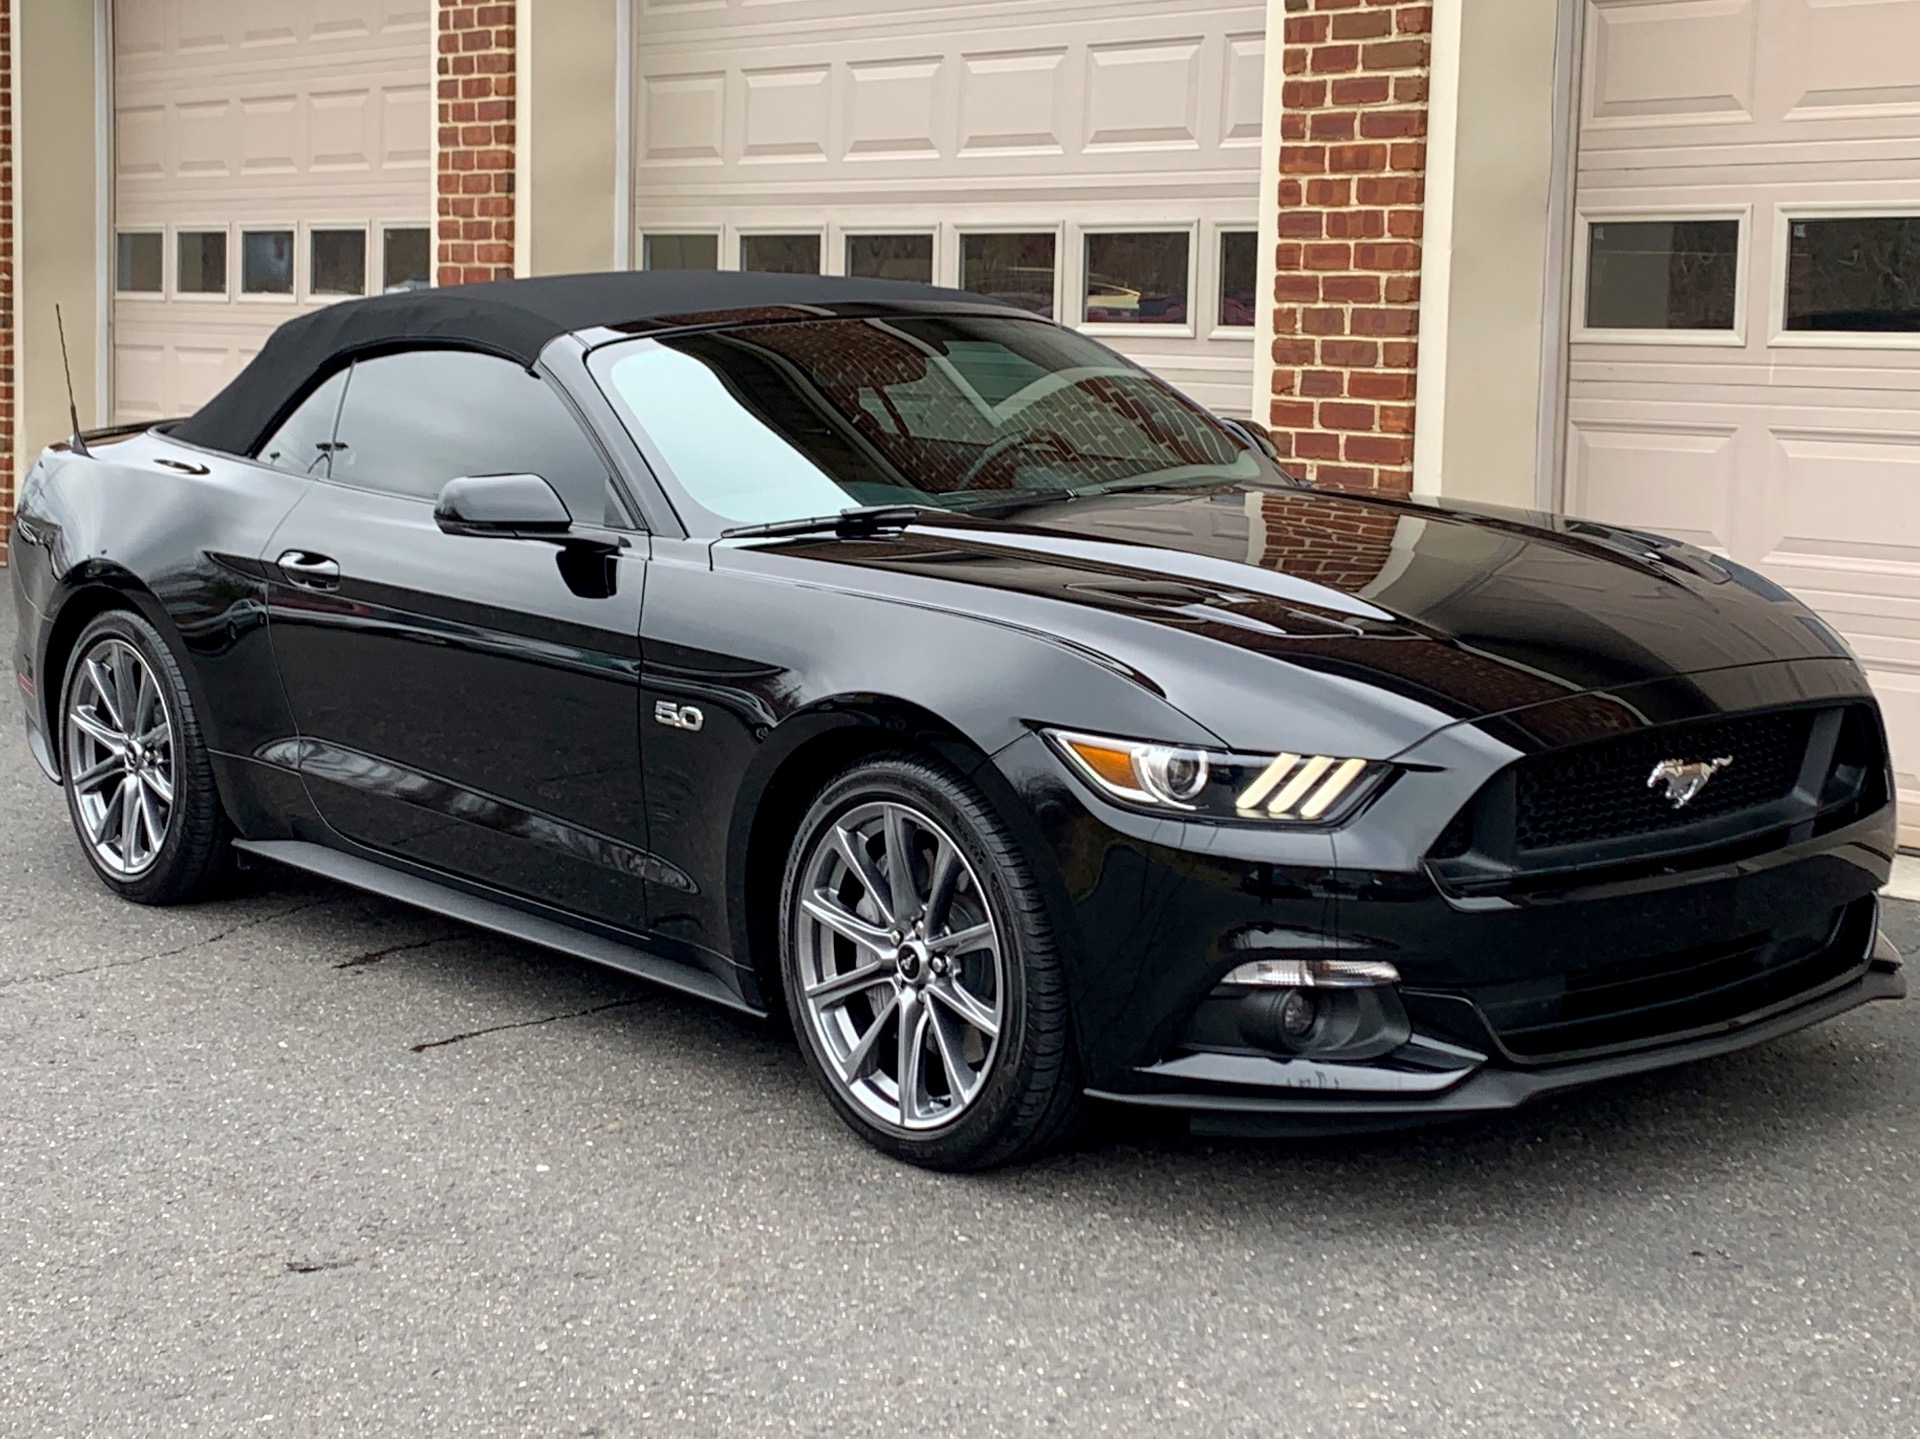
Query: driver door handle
column 311, row 571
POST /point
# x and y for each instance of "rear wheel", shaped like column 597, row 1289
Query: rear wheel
column 138, row 780
column 920, row 971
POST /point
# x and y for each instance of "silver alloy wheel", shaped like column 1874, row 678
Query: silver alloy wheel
column 120, row 757
column 902, row 971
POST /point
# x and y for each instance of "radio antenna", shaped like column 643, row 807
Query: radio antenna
column 77, row 444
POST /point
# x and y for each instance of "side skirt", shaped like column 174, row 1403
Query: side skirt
column 492, row 915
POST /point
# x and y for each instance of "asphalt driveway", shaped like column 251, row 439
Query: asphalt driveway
column 301, row 1161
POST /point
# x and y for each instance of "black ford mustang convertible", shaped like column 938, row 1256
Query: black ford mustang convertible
column 922, row 669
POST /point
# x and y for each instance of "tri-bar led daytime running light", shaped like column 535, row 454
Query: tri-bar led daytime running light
column 1289, row 788
column 1313, row 973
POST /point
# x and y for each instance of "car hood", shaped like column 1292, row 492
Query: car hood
column 1443, row 613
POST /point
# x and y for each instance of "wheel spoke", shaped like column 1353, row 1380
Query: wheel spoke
column 860, row 1058
column 104, row 690
column 837, row 989
column 155, row 831
column 910, row 1071
column 126, row 689
column 158, row 784
column 146, row 696
column 941, row 885
column 961, row 1080
column 906, row 900
column 964, row 941
column 124, row 818
column 853, row 850
column 967, row 1006
column 836, row 917
column 103, row 735
column 90, row 777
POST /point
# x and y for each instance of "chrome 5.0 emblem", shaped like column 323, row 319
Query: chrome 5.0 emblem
column 1685, row 778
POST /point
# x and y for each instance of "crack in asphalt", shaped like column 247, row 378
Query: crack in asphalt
column 318, row 1266
column 201, row 943
column 523, row 1024
column 374, row 956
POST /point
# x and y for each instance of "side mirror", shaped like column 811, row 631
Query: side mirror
column 505, row 506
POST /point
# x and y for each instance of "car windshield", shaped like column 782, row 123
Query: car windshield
column 803, row 418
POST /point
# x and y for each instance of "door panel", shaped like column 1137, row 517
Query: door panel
column 467, row 703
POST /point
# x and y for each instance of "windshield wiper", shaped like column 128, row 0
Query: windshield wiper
column 856, row 523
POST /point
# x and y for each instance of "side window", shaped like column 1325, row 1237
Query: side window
column 413, row 421
column 304, row 442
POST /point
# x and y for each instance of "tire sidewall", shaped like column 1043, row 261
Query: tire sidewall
column 915, row 782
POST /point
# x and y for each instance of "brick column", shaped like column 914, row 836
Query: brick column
column 473, row 142
column 1353, row 160
column 6, row 273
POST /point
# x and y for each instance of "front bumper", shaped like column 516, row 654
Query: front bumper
column 1474, row 1088
column 1509, row 996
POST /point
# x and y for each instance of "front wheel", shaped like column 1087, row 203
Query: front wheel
column 921, row 974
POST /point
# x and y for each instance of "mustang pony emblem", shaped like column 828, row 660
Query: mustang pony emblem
column 1685, row 778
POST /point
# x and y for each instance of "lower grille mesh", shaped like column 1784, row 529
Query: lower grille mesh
column 1654, row 999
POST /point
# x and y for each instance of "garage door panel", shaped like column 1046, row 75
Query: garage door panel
column 1672, row 480
column 1683, row 61
column 838, row 118
column 1856, row 55
column 273, row 114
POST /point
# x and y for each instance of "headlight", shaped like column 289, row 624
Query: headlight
column 1289, row 788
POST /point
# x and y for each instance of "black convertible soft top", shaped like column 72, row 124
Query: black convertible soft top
column 512, row 318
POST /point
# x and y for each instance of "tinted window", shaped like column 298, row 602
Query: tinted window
column 413, row 421
column 1858, row 272
column 807, row 418
column 1662, row 274
column 1017, row 268
column 781, row 254
column 304, row 441
column 203, row 262
column 1239, row 259
column 408, row 249
column 337, row 262
column 137, row 262
column 680, row 252
column 891, row 257
column 266, row 262
column 1137, row 279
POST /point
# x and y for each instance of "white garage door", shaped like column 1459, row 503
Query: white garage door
column 1745, row 367
column 267, row 157
column 1095, row 159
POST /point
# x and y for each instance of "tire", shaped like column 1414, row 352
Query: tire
column 144, row 846
column 967, row 957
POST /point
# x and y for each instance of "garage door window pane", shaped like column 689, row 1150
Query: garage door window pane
column 266, row 262
column 337, row 262
column 137, row 261
column 407, row 263
column 680, row 252
column 203, row 262
column 1859, row 273
column 1238, row 250
column 1137, row 279
column 1015, row 268
column 891, row 257
column 1662, row 274
column 781, row 254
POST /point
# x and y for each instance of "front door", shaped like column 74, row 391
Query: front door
column 466, row 703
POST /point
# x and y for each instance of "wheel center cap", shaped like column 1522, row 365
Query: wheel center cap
column 912, row 959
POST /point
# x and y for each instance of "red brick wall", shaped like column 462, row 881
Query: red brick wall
column 1353, row 160
column 474, row 143
column 6, row 273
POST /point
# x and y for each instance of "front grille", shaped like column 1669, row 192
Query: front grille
column 1662, row 998
column 1599, row 791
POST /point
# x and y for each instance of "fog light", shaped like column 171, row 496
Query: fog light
column 1297, row 1015
column 1312, row 974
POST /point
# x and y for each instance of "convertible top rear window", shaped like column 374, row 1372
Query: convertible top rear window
column 803, row 418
